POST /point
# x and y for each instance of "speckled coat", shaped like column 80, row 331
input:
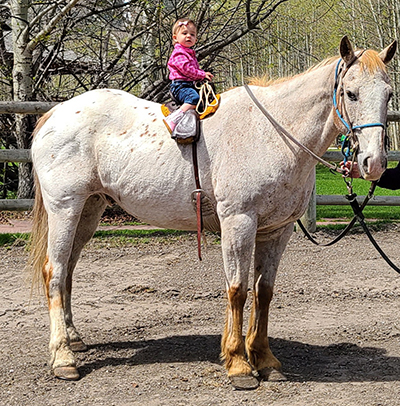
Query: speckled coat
column 110, row 143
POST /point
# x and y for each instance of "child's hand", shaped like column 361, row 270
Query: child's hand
column 209, row 76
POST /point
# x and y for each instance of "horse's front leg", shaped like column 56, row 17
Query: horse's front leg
column 237, row 236
column 268, row 252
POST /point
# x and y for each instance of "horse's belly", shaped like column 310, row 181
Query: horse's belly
column 166, row 211
column 156, row 193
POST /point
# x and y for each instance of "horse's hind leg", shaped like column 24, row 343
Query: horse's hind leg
column 268, row 252
column 88, row 222
column 62, row 221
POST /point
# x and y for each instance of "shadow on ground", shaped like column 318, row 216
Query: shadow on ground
column 343, row 362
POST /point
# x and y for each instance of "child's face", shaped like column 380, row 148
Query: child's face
column 186, row 35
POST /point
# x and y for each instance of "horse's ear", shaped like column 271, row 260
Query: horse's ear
column 388, row 53
column 346, row 50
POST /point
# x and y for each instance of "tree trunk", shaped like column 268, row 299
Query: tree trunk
column 22, row 89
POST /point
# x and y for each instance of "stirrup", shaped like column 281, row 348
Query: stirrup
column 187, row 130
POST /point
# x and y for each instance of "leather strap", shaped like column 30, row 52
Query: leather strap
column 198, row 198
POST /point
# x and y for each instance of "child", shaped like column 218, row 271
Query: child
column 184, row 70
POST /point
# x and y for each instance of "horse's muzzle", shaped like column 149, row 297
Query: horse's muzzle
column 372, row 168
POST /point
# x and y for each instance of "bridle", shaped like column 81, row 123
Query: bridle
column 340, row 72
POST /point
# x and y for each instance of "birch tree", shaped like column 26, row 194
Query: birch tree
column 23, row 46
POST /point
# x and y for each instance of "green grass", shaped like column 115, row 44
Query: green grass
column 328, row 183
column 135, row 237
column 9, row 239
column 109, row 237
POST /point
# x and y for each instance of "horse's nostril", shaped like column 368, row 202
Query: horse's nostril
column 365, row 165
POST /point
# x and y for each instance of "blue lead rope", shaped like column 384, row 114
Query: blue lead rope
column 346, row 148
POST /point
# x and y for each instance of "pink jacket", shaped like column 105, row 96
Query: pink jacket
column 183, row 65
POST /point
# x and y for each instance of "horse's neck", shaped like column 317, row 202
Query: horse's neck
column 306, row 108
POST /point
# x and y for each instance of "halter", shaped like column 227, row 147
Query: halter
column 348, row 126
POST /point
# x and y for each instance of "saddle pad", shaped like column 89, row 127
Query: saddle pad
column 170, row 107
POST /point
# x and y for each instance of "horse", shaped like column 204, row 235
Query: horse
column 107, row 143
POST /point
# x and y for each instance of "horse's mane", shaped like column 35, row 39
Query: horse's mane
column 369, row 59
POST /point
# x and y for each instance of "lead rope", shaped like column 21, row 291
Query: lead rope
column 350, row 197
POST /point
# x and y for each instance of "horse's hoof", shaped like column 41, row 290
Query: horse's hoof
column 271, row 375
column 78, row 346
column 66, row 373
column 244, row 382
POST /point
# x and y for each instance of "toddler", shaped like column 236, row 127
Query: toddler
column 184, row 70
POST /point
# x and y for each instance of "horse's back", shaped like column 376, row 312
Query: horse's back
column 110, row 142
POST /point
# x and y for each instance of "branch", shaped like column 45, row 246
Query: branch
column 50, row 26
column 120, row 53
column 39, row 16
column 217, row 45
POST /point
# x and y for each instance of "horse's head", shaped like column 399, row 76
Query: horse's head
column 362, row 93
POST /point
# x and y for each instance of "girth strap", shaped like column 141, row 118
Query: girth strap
column 198, row 198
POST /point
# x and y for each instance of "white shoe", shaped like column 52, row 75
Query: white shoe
column 173, row 119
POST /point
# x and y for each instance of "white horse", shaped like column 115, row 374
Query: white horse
column 108, row 143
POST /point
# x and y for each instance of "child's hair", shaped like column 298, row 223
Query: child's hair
column 182, row 21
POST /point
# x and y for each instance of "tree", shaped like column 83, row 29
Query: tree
column 65, row 47
column 23, row 46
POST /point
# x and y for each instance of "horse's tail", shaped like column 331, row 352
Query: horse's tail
column 38, row 240
column 39, row 234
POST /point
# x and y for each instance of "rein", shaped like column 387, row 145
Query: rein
column 351, row 197
column 207, row 98
column 283, row 133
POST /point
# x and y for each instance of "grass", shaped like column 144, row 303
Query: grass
column 117, row 238
column 13, row 239
column 109, row 238
column 328, row 183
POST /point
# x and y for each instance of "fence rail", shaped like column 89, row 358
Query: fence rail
column 23, row 155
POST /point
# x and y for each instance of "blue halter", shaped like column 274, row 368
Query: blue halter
column 345, row 123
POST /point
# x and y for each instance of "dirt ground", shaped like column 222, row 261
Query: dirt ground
column 152, row 316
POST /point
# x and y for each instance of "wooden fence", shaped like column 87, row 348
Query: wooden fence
column 309, row 219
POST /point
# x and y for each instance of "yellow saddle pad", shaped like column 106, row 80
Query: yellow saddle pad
column 207, row 105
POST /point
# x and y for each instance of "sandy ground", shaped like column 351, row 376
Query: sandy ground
column 152, row 316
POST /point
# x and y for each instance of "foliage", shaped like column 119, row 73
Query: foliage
column 13, row 239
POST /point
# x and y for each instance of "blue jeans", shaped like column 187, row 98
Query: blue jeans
column 184, row 92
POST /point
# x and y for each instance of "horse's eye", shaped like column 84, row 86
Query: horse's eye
column 351, row 95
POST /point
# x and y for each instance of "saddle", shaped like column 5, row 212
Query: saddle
column 187, row 130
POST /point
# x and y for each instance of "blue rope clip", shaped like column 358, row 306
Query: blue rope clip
column 346, row 148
